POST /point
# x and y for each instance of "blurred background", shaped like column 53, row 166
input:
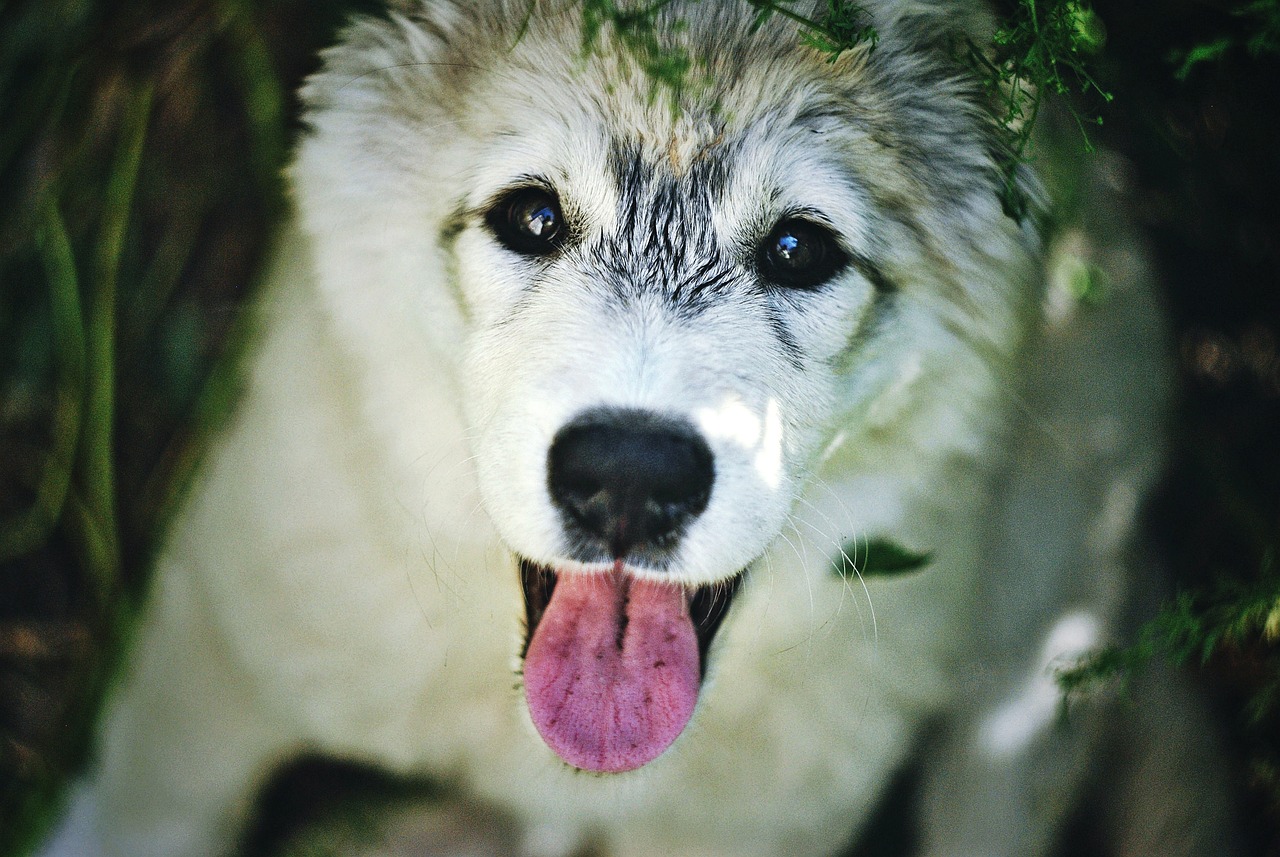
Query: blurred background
column 140, row 154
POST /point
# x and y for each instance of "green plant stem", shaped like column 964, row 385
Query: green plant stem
column 260, row 85
column 785, row 12
column 97, row 461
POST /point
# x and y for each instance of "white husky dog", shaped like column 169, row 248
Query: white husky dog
column 568, row 402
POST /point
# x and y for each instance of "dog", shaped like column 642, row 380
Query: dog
column 581, row 416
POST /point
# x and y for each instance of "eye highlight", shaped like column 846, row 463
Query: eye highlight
column 528, row 221
column 799, row 254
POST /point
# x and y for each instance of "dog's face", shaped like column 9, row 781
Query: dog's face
column 669, row 315
column 657, row 317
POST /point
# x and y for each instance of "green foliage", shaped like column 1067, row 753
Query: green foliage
column 635, row 29
column 1265, row 38
column 1261, row 36
column 1041, row 50
column 841, row 27
column 127, row 163
column 1201, row 53
column 878, row 557
column 1235, row 617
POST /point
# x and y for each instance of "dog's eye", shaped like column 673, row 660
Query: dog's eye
column 799, row 254
column 528, row 221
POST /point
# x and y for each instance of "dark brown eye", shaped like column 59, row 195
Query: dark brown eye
column 799, row 254
column 528, row 221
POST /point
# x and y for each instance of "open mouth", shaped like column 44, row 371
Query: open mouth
column 613, row 662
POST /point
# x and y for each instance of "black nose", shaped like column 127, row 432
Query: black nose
column 629, row 479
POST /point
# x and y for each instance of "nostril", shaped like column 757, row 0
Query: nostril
column 629, row 478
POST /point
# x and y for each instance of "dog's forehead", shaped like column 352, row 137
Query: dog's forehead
column 736, row 147
column 606, row 91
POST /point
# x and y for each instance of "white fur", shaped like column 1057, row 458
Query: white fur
column 342, row 578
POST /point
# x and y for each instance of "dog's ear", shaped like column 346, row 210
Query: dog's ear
column 936, row 41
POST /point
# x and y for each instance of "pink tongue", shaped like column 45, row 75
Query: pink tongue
column 612, row 672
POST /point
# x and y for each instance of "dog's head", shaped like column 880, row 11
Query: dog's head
column 658, row 307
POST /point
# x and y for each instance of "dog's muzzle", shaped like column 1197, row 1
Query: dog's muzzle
column 614, row 661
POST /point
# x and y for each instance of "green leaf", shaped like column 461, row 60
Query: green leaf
column 1207, row 52
column 837, row 29
column 878, row 557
